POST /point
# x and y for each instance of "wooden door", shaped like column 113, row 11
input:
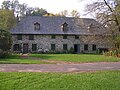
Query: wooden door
column 25, row 48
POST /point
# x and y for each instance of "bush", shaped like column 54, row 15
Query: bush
column 112, row 53
column 5, row 43
column 4, row 54
column 71, row 50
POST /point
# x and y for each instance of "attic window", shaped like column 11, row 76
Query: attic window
column 36, row 26
column 91, row 28
column 65, row 27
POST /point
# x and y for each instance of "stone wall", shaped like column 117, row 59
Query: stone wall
column 45, row 41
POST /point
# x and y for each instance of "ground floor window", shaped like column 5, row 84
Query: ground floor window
column 34, row 47
column 53, row 36
column 76, row 37
column 64, row 47
column 17, row 47
column 86, row 47
column 31, row 37
column 94, row 47
column 53, row 47
column 64, row 36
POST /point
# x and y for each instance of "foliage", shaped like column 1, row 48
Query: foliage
column 76, row 57
column 73, row 13
column 71, row 50
column 21, row 10
column 6, row 16
column 115, row 53
column 64, row 13
column 5, row 42
column 39, row 11
column 106, row 80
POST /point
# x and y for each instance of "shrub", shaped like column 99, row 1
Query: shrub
column 71, row 50
column 5, row 43
column 112, row 53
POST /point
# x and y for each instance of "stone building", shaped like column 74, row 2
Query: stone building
column 36, row 33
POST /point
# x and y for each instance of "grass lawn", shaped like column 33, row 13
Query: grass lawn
column 16, row 59
column 105, row 80
column 77, row 57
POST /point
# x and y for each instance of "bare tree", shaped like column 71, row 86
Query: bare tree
column 75, row 13
column 105, row 11
column 108, row 13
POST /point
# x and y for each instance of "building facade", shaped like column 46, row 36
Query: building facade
column 34, row 34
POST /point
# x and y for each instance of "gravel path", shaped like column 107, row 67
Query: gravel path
column 82, row 67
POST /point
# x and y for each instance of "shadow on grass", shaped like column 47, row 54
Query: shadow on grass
column 43, row 56
column 15, row 56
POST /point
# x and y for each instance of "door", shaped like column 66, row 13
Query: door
column 25, row 48
column 77, row 48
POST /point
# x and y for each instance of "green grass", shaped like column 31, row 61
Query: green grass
column 106, row 80
column 77, row 57
column 16, row 59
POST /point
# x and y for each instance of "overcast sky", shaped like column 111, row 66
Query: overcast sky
column 55, row 6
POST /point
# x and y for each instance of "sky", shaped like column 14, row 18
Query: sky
column 55, row 6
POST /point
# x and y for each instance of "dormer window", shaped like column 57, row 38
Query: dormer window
column 65, row 27
column 91, row 28
column 36, row 26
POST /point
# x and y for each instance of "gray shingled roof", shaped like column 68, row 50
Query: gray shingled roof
column 52, row 25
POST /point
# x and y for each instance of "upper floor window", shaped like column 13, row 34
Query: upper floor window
column 76, row 37
column 64, row 36
column 36, row 26
column 53, row 36
column 31, row 37
column 19, row 37
column 65, row 27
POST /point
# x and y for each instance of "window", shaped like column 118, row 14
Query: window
column 76, row 37
column 64, row 47
column 17, row 47
column 94, row 47
column 31, row 37
column 34, row 47
column 85, row 47
column 53, row 36
column 64, row 36
column 65, row 27
column 53, row 47
column 36, row 26
column 19, row 37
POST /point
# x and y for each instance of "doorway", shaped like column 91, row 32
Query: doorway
column 76, row 48
column 25, row 48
